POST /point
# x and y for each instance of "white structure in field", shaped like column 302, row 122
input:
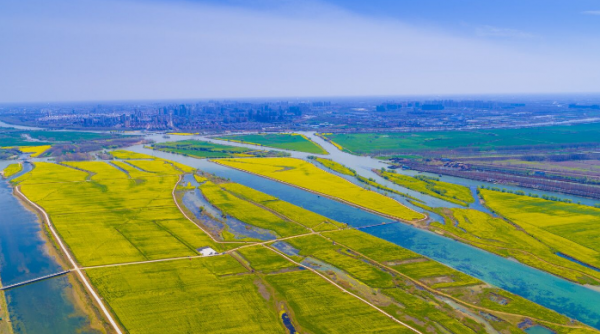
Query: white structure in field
column 207, row 251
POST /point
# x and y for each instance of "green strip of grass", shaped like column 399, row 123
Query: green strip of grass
column 287, row 141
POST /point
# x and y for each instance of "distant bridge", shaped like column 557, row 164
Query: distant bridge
column 34, row 280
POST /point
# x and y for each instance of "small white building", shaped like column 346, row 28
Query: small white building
column 207, row 251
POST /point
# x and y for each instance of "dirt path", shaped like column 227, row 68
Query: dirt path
column 344, row 290
column 75, row 266
column 440, row 293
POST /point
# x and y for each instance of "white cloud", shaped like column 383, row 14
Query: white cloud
column 591, row 12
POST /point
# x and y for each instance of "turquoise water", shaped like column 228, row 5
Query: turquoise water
column 45, row 306
column 573, row 300
column 545, row 289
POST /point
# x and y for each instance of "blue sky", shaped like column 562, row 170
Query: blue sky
column 64, row 50
column 539, row 17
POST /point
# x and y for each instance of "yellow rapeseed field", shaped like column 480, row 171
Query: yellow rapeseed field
column 450, row 192
column 305, row 175
column 122, row 154
column 248, row 212
column 108, row 216
column 569, row 228
column 196, row 296
column 290, row 211
column 35, row 151
column 12, row 169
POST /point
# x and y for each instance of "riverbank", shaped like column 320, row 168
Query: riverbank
column 538, row 286
column 79, row 298
column 411, row 222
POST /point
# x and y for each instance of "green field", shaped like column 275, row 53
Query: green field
column 67, row 136
column 9, row 137
column 286, row 141
column 436, row 275
column 450, row 192
column 9, row 141
column 114, row 216
column 203, row 149
column 415, row 142
column 320, row 248
column 306, row 175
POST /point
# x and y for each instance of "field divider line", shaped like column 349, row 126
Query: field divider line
column 412, row 222
column 194, row 256
column 142, row 262
column 437, row 292
column 262, row 243
column 72, row 261
column 344, row 290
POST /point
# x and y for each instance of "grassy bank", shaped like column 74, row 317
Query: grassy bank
column 5, row 326
column 335, row 166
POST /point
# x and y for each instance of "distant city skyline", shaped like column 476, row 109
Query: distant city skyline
column 69, row 50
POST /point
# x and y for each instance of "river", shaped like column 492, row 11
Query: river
column 46, row 306
column 574, row 300
column 568, row 298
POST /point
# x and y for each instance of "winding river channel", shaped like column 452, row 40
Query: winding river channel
column 574, row 300
column 24, row 256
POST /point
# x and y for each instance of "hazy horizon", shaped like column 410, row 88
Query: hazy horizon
column 95, row 50
column 521, row 97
